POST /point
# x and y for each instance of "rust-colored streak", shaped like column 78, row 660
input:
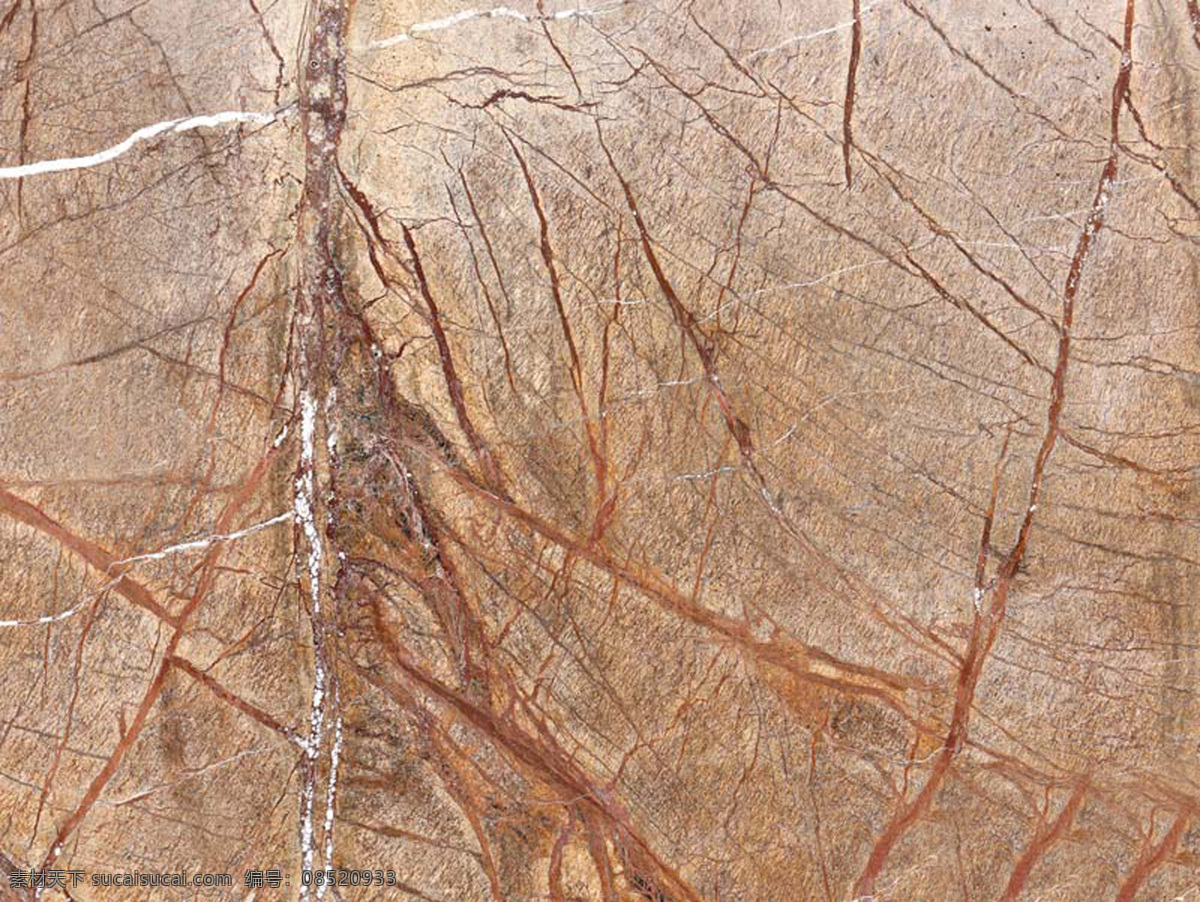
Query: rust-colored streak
column 1153, row 858
column 115, row 757
column 1091, row 229
column 851, row 79
column 230, row 324
column 23, row 74
column 554, row 877
column 804, row 661
column 482, row 282
column 1043, row 839
column 69, row 723
column 531, row 750
column 986, row 624
column 687, row 322
column 230, row 698
column 453, row 783
column 604, row 869
column 99, row 559
column 599, row 464
column 154, row 689
column 10, row 14
column 488, row 463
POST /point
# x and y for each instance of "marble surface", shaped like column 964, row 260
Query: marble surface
column 738, row 452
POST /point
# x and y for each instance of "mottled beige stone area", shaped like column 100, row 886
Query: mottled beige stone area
column 638, row 452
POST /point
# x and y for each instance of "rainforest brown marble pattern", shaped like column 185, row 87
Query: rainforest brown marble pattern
column 686, row 452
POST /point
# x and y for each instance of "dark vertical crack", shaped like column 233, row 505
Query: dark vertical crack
column 851, row 78
column 24, row 75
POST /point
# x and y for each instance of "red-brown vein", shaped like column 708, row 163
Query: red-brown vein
column 986, row 626
column 851, row 77
column 1152, row 860
column 96, row 556
column 1045, row 837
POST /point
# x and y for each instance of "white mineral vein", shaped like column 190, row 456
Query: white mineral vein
column 498, row 12
column 170, row 126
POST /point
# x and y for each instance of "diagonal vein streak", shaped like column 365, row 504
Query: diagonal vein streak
column 172, row 126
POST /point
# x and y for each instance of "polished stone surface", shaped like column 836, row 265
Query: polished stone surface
column 738, row 452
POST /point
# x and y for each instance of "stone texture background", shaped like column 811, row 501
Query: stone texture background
column 695, row 451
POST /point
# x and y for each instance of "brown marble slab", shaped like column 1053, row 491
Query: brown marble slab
column 685, row 452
